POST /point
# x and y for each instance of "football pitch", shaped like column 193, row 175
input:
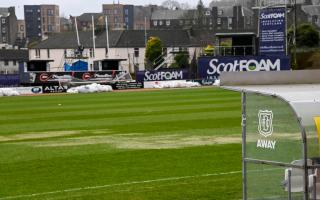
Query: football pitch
column 173, row 144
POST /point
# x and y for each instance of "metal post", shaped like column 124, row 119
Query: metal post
column 289, row 184
column 107, row 35
column 93, row 37
column 295, row 35
column 314, row 192
column 244, row 130
column 286, row 21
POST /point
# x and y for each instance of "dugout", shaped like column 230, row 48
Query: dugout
column 280, row 133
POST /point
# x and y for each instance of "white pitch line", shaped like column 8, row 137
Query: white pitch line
column 117, row 184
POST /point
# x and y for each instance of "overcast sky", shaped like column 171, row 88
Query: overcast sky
column 76, row 7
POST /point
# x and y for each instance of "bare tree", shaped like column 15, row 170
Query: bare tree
column 171, row 4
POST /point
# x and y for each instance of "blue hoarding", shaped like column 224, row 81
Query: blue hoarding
column 212, row 67
column 272, row 31
column 162, row 75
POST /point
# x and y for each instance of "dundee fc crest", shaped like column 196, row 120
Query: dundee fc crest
column 265, row 122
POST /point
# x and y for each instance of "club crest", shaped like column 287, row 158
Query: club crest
column 265, row 122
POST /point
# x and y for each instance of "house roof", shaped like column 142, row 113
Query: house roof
column 169, row 38
column 68, row 40
column 227, row 11
column 14, row 55
column 87, row 17
column 312, row 10
column 168, row 14
column 4, row 12
column 121, row 39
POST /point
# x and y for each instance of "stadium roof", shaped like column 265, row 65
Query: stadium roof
column 301, row 89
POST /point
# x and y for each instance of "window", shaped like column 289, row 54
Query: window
column 126, row 19
column 39, row 19
column 50, row 12
column 187, row 22
column 4, row 39
column 164, row 51
column 126, row 11
column 14, row 63
column 48, row 53
column 248, row 20
column 3, row 29
column 219, row 21
column 136, row 52
column 37, row 53
column 181, row 22
column 168, row 22
column 3, row 20
column 65, row 53
column 160, row 23
column 208, row 13
column 6, row 63
column 220, row 12
column 115, row 11
column 91, row 53
column 49, row 28
column 21, row 28
column 229, row 20
column 155, row 23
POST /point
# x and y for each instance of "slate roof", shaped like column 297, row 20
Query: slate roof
column 87, row 17
column 68, row 40
column 14, row 55
column 169, row 38
column 312, row 10
column 168, row 14
column 227, row 11
column 118, row 39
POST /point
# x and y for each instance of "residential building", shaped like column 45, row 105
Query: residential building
column 41, row 20
column 10, row 59
column 128, row 15
column 21, row 33
column 115, row 14
column 8, row 25
column 142, row 16
column 65, row 24
column 32, row 16
column 181, row 19
column 313, row 14
column 84, row 21
column 128, row 45
column 233, row 18
column 50, row 19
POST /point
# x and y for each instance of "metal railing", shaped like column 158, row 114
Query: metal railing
column 248, row 50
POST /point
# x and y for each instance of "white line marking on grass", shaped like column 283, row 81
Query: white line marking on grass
column 117, row 184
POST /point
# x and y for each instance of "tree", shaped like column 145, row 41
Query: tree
column 171, row 4
column 181, row 60
column 153, row 54
column 306, row 36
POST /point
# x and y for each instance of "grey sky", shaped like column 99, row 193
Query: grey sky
column 76, row 7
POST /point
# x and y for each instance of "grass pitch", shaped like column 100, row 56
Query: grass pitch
column 166, row 144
